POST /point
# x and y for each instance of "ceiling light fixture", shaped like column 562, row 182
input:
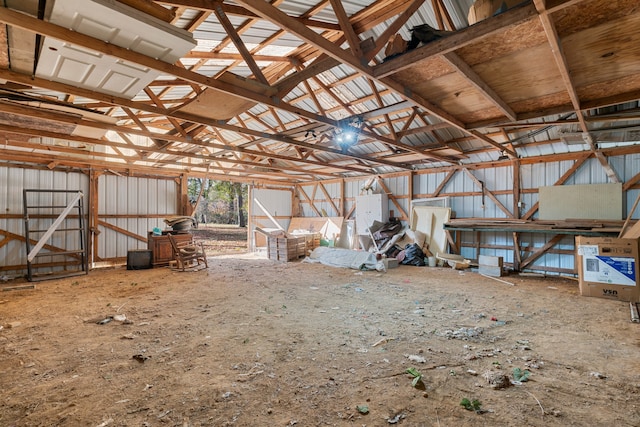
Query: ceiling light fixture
column 346, row 135
column 503, row 155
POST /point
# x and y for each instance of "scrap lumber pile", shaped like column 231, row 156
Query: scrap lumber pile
column 567, row 226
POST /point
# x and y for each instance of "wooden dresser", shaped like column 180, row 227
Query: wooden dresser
column 160, row 246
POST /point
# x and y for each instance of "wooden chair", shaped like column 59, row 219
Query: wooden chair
column 187, row 254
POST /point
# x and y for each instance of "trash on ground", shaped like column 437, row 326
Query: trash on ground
column 381, row 341
column 363, row 409
column 396, row 419
column 141, row 357
column 520, row 376
column 463, row 333
column 496, row 380
column 416, row 358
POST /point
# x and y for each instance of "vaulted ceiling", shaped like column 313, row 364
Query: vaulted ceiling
column 290, row 91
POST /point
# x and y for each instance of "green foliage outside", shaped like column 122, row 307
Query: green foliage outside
column 221, row 202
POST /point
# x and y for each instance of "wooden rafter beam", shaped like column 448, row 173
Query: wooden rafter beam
column 229, row 9
column 34, row 25
column 394, row 27
column 277, row 17
column 165, row 151
column 239, row 44
column 230, row 57
column 347, row 28
column 563, row 67
column 457, row 40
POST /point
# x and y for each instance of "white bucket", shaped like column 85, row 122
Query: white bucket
column 432, row 261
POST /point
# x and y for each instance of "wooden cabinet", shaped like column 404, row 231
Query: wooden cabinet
column 160, row 246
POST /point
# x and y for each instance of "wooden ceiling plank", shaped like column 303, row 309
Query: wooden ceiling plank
column 458, row 39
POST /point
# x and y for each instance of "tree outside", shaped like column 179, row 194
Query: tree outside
column 221, row 202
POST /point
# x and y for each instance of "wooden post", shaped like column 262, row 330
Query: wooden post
column 93, row 209
column 515, row 164
column 183, row 197
column 342, row 199
column 250, row 222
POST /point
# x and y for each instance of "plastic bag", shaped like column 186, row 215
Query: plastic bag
column 413, row 255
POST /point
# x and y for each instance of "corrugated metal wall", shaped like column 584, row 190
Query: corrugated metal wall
column 12, row 182
column 133, row 204
column 277, row 202
column 137, row 205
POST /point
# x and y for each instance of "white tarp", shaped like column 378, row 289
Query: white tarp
column 339, row 257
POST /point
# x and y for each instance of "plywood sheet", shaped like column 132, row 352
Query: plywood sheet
column 525, row 35
column 22, row 48
column 590, row 13
column 604, row 53
column 430, row 220
column 589, row 201
column 219, row 105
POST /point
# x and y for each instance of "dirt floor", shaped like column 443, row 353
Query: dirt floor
column 254, row 342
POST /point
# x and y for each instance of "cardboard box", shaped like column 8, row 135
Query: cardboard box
column 608, row 267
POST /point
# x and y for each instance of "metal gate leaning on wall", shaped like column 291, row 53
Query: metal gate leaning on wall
column 13, row 181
